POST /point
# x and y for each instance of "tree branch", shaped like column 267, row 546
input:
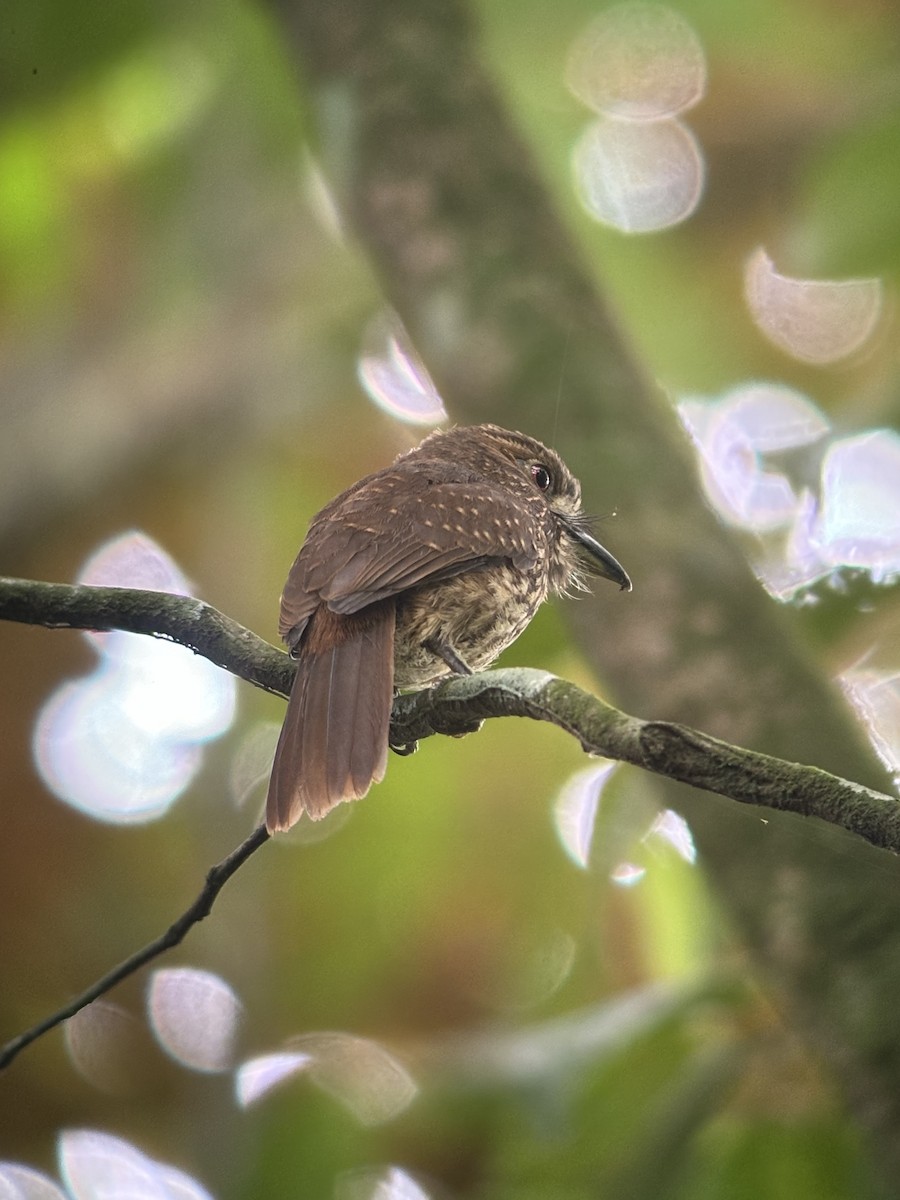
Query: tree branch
column 664, row 747
column 182, row 619
column 459, row 705
column 454, row 707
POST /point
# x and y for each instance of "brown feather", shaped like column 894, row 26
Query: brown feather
column 334, row 741
column 392, row 531
column 435, row 563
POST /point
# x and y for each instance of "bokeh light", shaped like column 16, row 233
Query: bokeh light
column 849, row 518
column 123, row 743
column 367, row 1080
column 671, row 828
column 638, row 177
column 98, row 1166
column 668, row 828
column 257, row 1077
column 638, row 168
column 859, row 525
column 620, row 832
column 639, row 62
column 18, row 1182
column 102, row 1041
column 394, row 376
column 627, row 874
column 575, row 810
column 814, row 320
column 732, row 436
column 390, row 1183
column 194, row 1016
column 875, row 697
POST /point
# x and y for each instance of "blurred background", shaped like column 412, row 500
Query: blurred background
column 509, row 972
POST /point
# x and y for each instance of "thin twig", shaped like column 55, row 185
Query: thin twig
column 216, row 879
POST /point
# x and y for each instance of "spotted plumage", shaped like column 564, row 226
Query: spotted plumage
column 429, row 567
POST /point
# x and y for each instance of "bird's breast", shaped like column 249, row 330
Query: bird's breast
column 478, row 614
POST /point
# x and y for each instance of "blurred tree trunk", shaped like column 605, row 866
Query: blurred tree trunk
column 442, row 193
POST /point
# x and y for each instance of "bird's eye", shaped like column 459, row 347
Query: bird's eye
column 541, row 476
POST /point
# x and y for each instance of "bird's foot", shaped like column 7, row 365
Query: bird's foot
column 448, row 655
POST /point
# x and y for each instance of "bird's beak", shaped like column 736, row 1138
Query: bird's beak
column 602, row 561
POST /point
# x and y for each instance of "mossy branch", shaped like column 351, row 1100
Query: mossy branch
column 459, row 705
column 455, row 707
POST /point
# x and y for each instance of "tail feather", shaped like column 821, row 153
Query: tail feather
column 334, row 741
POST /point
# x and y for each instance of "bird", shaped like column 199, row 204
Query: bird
column 428, row 568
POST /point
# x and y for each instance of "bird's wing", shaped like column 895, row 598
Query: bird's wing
column 396, row 529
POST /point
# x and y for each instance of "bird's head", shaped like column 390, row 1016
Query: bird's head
column 536, row 473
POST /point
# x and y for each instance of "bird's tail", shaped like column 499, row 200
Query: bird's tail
column 334, row 741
